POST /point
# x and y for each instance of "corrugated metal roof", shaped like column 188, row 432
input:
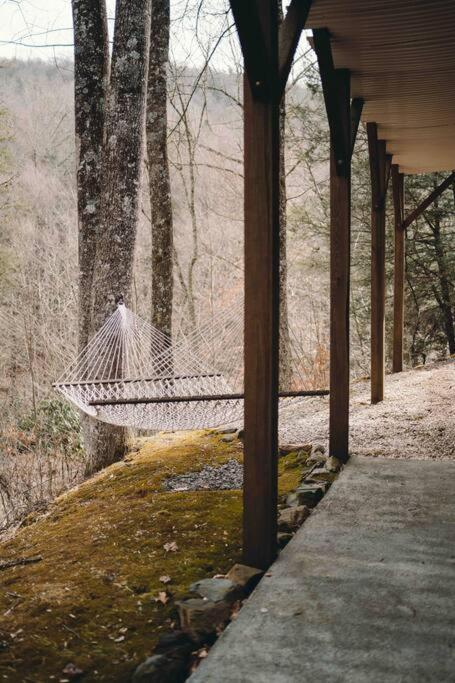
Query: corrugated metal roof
column 401, row 55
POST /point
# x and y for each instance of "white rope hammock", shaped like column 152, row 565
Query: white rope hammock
column 132, row 376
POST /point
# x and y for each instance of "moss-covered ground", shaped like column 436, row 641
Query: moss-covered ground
column 93, row 599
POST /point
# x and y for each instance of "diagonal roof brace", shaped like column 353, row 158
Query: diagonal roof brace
column 256, row 57
column 429, row 200
column 330, row 87
column 289, row 35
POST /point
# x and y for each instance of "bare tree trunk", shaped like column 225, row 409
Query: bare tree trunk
column 91, row 69
column 444, row 298
column 91, row 73
column 158, row 164
column 121, row 175
column 285, row 343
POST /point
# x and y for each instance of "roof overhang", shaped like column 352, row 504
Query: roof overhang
column 401, row 55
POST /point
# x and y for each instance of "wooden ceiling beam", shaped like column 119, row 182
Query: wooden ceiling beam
column 289, row 36
column 428, row 201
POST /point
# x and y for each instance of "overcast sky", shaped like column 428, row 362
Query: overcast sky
column 31, row 29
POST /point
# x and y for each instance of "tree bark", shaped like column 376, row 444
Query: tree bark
column 121, row 177
column 285, row 342
column 91, row 69
column 158, row 165
column 444, row 301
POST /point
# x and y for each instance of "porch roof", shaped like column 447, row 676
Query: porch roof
column 401, row 55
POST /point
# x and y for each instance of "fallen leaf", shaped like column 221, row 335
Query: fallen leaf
column 165, row 579
column 119, row 639
column 171, row 547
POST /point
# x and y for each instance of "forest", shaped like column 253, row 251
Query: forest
column 172, row 190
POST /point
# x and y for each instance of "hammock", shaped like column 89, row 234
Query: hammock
column 131, row 375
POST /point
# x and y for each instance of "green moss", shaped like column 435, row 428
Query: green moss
column 92, row 598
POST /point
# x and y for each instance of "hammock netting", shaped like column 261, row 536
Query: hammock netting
column 131, row 375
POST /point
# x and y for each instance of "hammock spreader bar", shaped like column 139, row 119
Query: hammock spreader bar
column 207, row 397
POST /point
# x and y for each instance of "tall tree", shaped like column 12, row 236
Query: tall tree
column 108, row 246
column 91, row 69
column 158, row 166
column 285, row 342
column 430, row 270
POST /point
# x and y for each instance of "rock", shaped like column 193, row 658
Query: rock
column 200, row 618
column 322, row 474
column 285, row 449
column 226, row 430
column 229, row 438
column 318, row 448
column 216, row 590
column 292, row 500
column 316, row 459
column 283, row 539
column 174, row 643
column 245, row 577
column 333, row 464
column 161, row 669
column 241, row 434
column 291, row 518
column 310, row 494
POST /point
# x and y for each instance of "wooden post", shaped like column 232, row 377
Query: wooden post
column 340, row 238
column 261, row 150
column 377, row 156
column 343, row 121
column 399, row 269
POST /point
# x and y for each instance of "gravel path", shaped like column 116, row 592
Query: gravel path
column 416, row 419
column 227, row 476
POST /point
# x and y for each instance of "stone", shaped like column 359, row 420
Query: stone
column 245, row 577
column 322, row 474
column 227, row 430
column 216, row 590
column 310, row 494
column 241, row 434
column 318, row 448
column 200, row 618
column 292, row 500
column 291, row 518
column 161, row 669
column 229, row 438
column 285, row 449
column 333, row 464
column 174, row 643
column 316, row 459
column 283, row 539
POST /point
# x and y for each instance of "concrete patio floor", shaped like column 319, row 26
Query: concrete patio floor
column 365, row 592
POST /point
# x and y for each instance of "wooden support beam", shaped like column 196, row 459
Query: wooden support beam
column 340, row 240
column 356, row 112
column 255, row 46
column 341, row 143
column 289, row 36
column 343, row 123
column 399, row 269
column 262, row 254
column 378, row 169
column 428, row 201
